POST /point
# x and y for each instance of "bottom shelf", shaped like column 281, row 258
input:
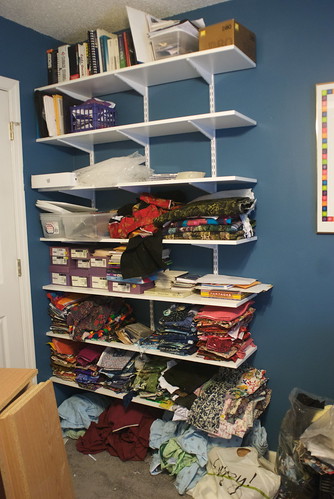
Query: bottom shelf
column 104, row 391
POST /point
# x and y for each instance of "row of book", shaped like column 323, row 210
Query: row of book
column 102, row 51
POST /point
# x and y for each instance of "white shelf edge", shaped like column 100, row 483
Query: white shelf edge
column 192, row 242
column 159, row 353
column 159, row 128
column 198, row 182
column 108, row 393
column 162, row 69
column 191, row 299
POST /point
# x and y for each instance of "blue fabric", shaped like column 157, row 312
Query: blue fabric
column 80, row 410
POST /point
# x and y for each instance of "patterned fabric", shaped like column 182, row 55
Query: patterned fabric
column 217, row 207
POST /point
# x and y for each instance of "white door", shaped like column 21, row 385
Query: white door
column 16, row 333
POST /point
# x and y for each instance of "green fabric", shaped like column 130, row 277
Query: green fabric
column 173, row 458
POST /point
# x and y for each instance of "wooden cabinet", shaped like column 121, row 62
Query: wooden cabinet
column 33, row 460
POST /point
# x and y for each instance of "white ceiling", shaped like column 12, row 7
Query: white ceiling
column 69, row 20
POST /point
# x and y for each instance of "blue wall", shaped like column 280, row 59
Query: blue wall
column 293, row 327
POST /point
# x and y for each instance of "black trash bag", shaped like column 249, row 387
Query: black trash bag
column 298, row 480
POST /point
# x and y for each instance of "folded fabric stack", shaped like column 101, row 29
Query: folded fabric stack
column 98, row 317
column 219, row 218
column 64, row 358
column 223, row 332
column 146, row 382
column 87, row 371
column 117, row 367
column 230, row 402
column 59, row 306
column 176, row 332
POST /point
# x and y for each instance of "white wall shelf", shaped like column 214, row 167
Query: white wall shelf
column 154, row 351
column 202, row 64
column 192, row 299
column 142, row 132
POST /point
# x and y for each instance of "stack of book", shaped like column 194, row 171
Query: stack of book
column 102, row 51
column 229, row 287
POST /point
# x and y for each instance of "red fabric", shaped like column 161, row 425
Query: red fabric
column 113, row 432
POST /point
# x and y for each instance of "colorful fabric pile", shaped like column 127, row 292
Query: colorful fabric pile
column 223, row 331
column 137, row 218
column 230, row 402
column 218, row 218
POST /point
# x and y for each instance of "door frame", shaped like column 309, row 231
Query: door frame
column 12, row 87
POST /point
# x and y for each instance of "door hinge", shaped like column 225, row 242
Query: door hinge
column 19, row 267
column 11, row 129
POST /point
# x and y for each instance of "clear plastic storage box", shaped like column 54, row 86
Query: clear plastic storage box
column 171, row 42
column 86, row 225
column 52, row 225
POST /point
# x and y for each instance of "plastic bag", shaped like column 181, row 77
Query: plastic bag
column 236, row 472
column 114, row 171
column 318, row 438
column 298, row 480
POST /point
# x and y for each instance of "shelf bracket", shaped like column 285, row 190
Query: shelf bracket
column 205, row 186
column 208, row 132
column 89, row 148
column 140, row 139
column 141, row 89
column 75, row 95
column 206, row 75
column 82, row 193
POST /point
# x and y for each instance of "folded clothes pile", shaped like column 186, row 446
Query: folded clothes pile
column 218, row 218
column 176, row 331
column 223, row 332
column 118, row 369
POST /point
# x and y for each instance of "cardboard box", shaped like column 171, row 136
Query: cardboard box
column 228, row 33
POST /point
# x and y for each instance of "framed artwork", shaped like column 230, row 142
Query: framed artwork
column 325, row 157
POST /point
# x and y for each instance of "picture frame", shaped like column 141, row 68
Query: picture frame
column 325, row 157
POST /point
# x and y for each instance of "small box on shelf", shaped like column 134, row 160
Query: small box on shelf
column 174, row 41
column 228, row 33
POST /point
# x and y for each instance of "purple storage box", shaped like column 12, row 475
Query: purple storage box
column 80, row 263
column 80, row 278
column 98, row 262
column 99, row 272
column 59, row 251
column 132, row 289
column 80, row 253
column 99, row 282
column 61, row 278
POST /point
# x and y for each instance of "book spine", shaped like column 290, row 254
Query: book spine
column 126, row 48
column 223, row 294
column 83, row 63
column 121, row 49
column 94, row 65
column 63, row 63
column 52, row 66
column 104, row 51
column 133, row 58
column 73, row 56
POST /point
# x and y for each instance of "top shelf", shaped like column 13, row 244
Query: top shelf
column 204, row 64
